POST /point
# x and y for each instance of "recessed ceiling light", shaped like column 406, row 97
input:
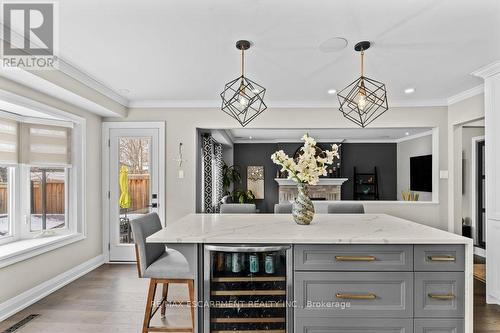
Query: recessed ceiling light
column 407, row 133
column 250, row 137
column 332, row 91
column 333, row 44
column 409, row 90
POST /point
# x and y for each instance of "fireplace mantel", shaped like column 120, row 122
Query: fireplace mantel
column 322, row 181
column 327, row 189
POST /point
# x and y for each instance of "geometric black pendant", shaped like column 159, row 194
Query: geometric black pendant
column 365, row 99
column 242, row 98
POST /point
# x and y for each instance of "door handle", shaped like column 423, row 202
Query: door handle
column 441, row 258
column 442, row 296
column 356, row 296
column 355, row 258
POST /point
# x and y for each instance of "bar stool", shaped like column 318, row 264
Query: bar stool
column 283, row 208
column 162, row 266
column 346, row 208
column 236, row 208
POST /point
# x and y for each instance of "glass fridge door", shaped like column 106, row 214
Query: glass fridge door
column 247, row 288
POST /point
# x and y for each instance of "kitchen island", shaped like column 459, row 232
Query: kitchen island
column 362, row 273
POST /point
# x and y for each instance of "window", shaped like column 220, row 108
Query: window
column 39, row 183
column 47, row 198
column 5, row 225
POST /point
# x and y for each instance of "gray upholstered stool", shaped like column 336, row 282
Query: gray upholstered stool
column 283, row 208
column 161, row 266
column 346, row 208
column 234, row 208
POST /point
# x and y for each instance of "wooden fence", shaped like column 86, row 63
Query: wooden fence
column 138, row 191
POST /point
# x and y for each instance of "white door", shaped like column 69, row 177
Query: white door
column 137, row 152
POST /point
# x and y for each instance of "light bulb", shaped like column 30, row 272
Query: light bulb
column 362, row 102
column 243, row 101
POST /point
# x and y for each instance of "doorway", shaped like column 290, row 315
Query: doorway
column 133, row 168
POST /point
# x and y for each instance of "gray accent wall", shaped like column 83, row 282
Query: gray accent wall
column 366, row 156
column 362, row 155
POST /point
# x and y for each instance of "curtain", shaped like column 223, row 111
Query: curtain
column 212, row 174
column 8, row 141
column 45, row 145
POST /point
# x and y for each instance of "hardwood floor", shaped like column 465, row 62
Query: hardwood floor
column 112, row 299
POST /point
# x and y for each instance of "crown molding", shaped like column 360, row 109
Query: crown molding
column 72, row 71
column 488, row 70
column 91, row 82
column 414, row 136
column 273, row 104
column 477, row 90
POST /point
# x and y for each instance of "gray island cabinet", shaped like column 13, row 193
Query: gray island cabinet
column 343, row 273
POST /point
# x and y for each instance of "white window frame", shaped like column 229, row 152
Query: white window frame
column 25, row 222
column 22, row 245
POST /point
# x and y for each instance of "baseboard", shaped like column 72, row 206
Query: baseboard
column 22, row 301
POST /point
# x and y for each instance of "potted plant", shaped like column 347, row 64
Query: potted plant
column 310, row 163
column 230, row 175
column 243, row 196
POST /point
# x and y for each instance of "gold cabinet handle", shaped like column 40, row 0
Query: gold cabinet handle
column 356, row 296
column 355, row 258
column 442, row 296
column 441, row 258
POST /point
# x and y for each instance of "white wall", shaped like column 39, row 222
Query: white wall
column 181, row 125
column 491, row 76
column 410, row 148
column 27, row 274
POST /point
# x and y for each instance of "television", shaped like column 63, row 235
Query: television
column 421, row 173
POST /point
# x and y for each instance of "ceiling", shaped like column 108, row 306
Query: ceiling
column 254, row 135
column 182, row 51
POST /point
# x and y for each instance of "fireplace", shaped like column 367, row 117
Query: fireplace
column 327, row 189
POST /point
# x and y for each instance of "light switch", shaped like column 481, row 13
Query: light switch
column 181, row 174
column 443, row 174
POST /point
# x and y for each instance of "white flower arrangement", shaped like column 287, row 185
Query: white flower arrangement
column 309, row 167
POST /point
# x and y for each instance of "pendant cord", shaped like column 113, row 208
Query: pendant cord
column 362, row 61
column 242, row 62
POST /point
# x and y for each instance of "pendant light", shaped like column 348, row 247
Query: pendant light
column 242, row 98
column 365, row 99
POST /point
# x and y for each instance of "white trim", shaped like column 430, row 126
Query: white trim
column 488, row 70
column 32, row 247
column 473, row 186
column 25, row 299
column 333, row 104
column 106, row 126
column 414, row 136
column 477, row 90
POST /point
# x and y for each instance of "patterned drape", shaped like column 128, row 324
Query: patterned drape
column 212, row 174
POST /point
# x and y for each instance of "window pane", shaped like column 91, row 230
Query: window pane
column 134, row 175
column 47, row 198
column 4, row 202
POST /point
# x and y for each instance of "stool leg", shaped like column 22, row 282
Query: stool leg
column 164, row 297
column 190, row 284
column 149, row 305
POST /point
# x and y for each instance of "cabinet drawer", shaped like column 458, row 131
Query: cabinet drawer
column 439, row 294
column 354, row 257
column 354, row 294
column 439, row 258
column 439, row 326
column 353, row 325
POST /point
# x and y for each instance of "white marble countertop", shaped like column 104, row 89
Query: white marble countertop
column 280, row 229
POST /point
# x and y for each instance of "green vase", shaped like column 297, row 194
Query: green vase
column 302, row 207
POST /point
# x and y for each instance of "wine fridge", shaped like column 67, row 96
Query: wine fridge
column 247, row 289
